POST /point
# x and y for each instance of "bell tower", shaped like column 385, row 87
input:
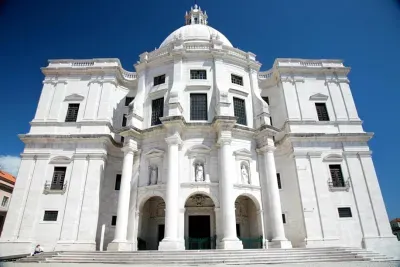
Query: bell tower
column 196, row 16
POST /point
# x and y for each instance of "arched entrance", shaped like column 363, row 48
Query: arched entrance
column 151, row 223
column 200, row 232
column 248, row 223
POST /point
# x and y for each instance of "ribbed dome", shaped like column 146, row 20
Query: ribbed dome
column 196, row 32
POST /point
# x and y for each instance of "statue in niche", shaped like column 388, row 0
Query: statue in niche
column 153, row 175
column 199, row 173
column 245, row 174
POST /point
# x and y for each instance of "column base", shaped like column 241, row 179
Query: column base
column 168, row 244
column 122, row 246
column 230, row 244
column 16, row 247
column 71, row 245
column 280, row 244
column 388, row 246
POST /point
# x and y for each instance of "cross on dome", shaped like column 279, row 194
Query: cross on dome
column 196, row 16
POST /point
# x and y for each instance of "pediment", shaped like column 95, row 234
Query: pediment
column 242, row 154
column 319, row 97
column 154, row 153
column 333, row 158
column 60, row 160
column 74, row 97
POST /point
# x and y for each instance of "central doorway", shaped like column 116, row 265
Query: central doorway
column 199, row 223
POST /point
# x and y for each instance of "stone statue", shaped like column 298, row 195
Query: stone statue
column 245, row 175
column 153, row 175
column 199, row 173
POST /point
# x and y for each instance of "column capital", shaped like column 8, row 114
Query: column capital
column 174, row 139
column 130, row 146
column 265, row 149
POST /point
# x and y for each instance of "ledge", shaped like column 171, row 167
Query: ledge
column 247, row 186
column 199, row 184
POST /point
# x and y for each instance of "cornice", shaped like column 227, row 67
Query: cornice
column 325, row 137
column 53, row 138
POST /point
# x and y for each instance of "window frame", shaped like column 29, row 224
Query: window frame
column 57, row 183
column 5, row 200
column 117, row 184
column 238, row 78
column 235, row 111
column 324, row 115
column 156, row 121
column 48, row 214
column 74, row 116
column 193, row 75
column 124, row 120
column 279, row 180
column 127, row 98
column 347, row 209
column 337, row 182
column 160, row 79
column 113, row 220
column 191, row 115
column 284, row 218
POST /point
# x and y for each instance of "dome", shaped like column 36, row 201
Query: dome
column 196, row 32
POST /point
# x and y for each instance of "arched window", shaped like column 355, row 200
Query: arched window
column 196, row 21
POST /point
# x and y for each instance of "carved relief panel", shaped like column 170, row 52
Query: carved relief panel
column 199, row 160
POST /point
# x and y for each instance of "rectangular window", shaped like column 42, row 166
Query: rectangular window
column 50, row 215
column 122, row 139
column 236, row 79
column 117, row 181
column 57, row 182
column 4, row 201
column 345, row 212
column 284, row 218
column 159, row 79
column 336, row 175
column 322, row 112
column 72, row 113
column 114, row 220
column 198, row 107
column 128, row 100
column 124, row 120
column 198, row 75
column 239, row 109
column 266, row 99
column 157, row 111
column 278, row 177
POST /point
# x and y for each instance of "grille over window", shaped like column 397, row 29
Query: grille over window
column 198, row 107
column 57, row 183
column 50, row 215
column 345, row 212
column 322, row 112
column 336, row 175
column 159, row 79
column 240, row 110
column 72, row 113
column 157, row 111
column 236, row 79
column 198, row 74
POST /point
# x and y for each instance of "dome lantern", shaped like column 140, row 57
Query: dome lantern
column 196, row 16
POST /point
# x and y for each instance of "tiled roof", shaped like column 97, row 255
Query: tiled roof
column 7, row 177
column 395, row 220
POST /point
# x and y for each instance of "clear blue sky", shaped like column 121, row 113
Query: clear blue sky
column 365, row 33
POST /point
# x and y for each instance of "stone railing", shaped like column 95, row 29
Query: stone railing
column 197, row 47
column 86, row 63
column 265, row 75
column 236, row 52
column 129, row 75
column 54, row 188
column 339, row 187
column 158, row 53
column 305, row 63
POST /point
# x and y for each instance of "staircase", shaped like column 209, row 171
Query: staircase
column 207, row 257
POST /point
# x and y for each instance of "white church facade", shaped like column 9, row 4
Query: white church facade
column 197, row 149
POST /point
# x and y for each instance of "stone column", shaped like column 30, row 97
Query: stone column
column 171, row 239
column 229, row 239
column 120, row 242
column 270, row 185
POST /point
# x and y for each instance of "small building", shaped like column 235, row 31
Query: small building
column 7, row 182
column 395, row 224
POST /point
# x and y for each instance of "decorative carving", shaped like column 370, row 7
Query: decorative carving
column 245, row 174
column 198, row 200
column 199, row 170
column 153, row 178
